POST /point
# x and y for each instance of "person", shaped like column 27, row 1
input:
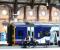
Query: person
column 26, row 42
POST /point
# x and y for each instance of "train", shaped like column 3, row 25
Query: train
column 41, row 33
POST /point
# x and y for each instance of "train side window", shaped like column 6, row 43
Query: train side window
column 57, row 33
column 32, row 34
column 47, row 34
column 29, row 33
column 40, row 34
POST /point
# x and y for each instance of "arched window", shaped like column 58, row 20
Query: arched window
column 4, row 18
column 31, row 14
column 4, row 13
column 55, row 14
column 43, row 14
column 20, row 16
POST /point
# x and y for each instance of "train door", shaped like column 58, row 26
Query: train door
column 30, row 32
column 54, row 37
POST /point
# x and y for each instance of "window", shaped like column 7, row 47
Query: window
column 29, row 33
column 20, row 16
column 57, row 33
column 43, row 14
column 7, row 0
column 4, row 13
column 31, row 14
column 55, row 15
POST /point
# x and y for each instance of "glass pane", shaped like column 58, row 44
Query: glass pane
column 4, row 13
column 31, row 14
column 40, row 1
column 20, row 16
column 55, row 1
column 7, row 0
column 23, row 0
column 43, row 14
column 55, row 15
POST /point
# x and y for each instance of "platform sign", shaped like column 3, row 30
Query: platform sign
column 3, row 39
column 3, row 36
